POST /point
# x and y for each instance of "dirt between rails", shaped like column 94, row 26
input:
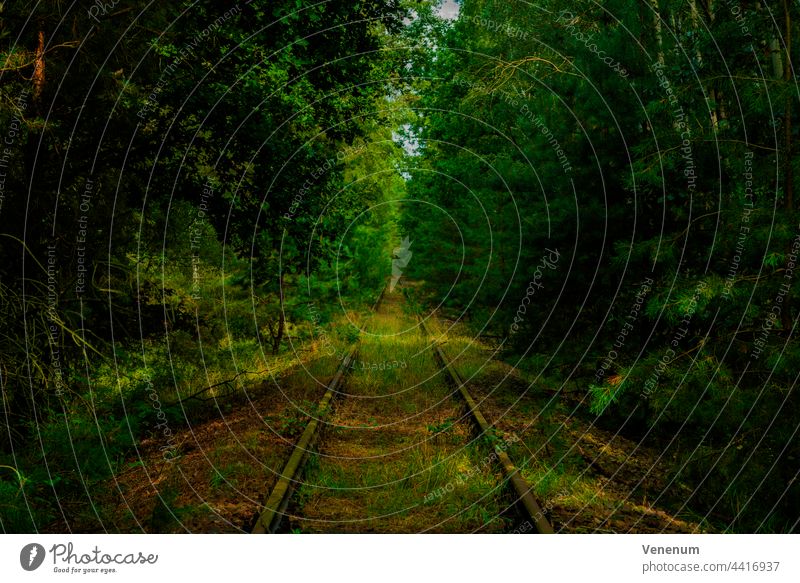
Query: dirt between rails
column 396, row 457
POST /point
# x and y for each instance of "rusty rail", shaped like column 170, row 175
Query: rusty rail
column 521, row 487
column 270, row 518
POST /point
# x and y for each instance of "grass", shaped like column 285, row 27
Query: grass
column 586, row 480
column 396, row 457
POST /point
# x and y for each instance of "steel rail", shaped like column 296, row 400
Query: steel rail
column 269, row 520
column 521, row 487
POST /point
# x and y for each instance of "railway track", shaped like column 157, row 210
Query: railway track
column 272, row 517
column 269, row 520
column 523, row 492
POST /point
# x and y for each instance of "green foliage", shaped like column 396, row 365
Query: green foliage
column 532, row 142
column 185, row 170
column 183, row 183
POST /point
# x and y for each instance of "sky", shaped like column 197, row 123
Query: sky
column 448, row 9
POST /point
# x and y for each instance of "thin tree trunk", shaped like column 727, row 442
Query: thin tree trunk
column 35, row 108
column 657, row 27
column 278, row 336
column 777, row 61
column 786, row 313
column 38, row 68
column 787, row 76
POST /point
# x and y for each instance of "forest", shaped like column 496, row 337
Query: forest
column 586, row 209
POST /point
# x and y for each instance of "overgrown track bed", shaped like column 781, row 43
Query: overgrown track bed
column 588, row 480
column 398, row 454
column 523, row 493
column 269, row 520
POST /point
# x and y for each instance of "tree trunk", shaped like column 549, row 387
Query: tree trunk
column 657, row 28
column 38, row 68
column 787, row 125
column 278, row 336
column 777, row 61
column 38, row 81
column 786, row 313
